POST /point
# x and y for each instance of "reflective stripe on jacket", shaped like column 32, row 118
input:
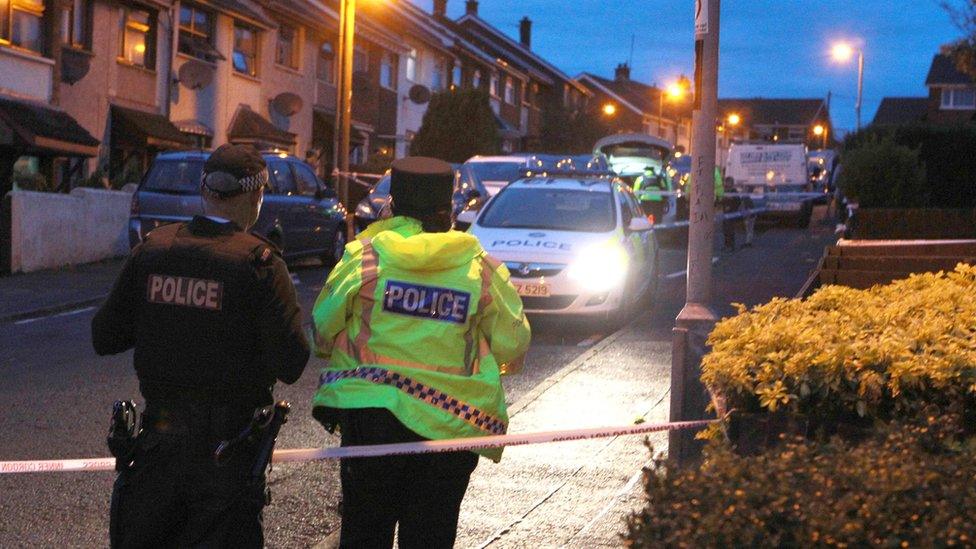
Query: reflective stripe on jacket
column 418, row 323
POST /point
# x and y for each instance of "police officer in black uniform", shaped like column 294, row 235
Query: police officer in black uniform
column 212, row 314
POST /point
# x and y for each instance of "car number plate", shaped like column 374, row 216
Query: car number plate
column 783, row 206
column 532, row 290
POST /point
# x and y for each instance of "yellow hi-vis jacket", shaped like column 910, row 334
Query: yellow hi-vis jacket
column 419, row 323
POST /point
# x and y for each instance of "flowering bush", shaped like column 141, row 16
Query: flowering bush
column 910, row 486
column 877, row 354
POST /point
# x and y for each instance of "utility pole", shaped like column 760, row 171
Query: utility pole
column 696, row 319
column 860, row 84
column 347, row 33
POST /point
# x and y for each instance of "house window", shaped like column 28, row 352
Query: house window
column 476, row 80
column 493, row 85
column 388, row 70
column 245, row 50
column 136, row 40
column 196, row 33
column 360, row 60
column 286, row 53
column 22, row 24
column 958, row 98
column 509, row 90
column 438, row 75
column 456, row 76
column 412, row 65
column 76, row 20
column 326, row 63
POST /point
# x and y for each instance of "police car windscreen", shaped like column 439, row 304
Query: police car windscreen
column 552, row 209
column 496, row 171
column 174, row 177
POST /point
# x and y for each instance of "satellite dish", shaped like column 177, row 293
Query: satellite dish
column 74, row 65
column 195, row 74
column 287, row 103
column 419, row 94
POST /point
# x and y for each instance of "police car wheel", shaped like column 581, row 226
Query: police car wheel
column 334, row 255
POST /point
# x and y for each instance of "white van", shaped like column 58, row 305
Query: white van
column 758, row 168
column 775, row 174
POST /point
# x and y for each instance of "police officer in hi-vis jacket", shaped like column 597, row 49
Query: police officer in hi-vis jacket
column 212, row 315
column 418, row 323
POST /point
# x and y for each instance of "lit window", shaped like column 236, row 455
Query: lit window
column 959, row 98
column 136, row 37
column 360, row 60
column 476, row 80
column 245, row 50
column 287, row 51
column 326, row 63
column 22, row 24
column 412, row 65
column 493, row 85
column 196, row 33
column 76, row 24
column 509, row 90
column 388, row 70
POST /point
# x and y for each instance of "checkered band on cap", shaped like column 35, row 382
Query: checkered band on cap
column 225, row 184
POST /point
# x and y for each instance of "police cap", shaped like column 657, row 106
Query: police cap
column 232, row 170
column 421, row 185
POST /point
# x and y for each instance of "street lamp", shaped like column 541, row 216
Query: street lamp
column 842, row 52
column 734, row 119
column 820, row 131
column 609, row 109
column 673, row 91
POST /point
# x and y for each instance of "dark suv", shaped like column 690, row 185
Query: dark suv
column 300, row 211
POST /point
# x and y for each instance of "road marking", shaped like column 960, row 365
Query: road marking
column 66, row 313
column 591, row 341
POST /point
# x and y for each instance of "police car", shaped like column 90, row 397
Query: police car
column 574, row 244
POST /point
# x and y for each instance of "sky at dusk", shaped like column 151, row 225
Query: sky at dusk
column 769, row 48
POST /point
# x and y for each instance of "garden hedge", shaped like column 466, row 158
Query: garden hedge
column 945, row 152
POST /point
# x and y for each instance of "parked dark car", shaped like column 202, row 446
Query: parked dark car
column 300, row 211
column 376, row 205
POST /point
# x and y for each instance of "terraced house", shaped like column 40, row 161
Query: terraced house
column 92, row 90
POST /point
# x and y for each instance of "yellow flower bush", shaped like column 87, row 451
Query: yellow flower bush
column 879, row 353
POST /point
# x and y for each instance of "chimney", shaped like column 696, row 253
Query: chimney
column 525, row 32
column 622, row 73
column 471, row 7
column 440, row 8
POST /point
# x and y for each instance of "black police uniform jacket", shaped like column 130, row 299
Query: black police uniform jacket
column 212, row 314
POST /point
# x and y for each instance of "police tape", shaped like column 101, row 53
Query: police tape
column 399, row 449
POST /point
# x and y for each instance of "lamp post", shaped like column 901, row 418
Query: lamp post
column 696, row 320
column 347, row 32
column 843, row 52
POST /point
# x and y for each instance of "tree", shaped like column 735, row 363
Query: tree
column 565, row 132
column 458, row 124
column 879, row 173
column 963, row 50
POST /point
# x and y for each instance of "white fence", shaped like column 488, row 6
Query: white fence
column 50, row 230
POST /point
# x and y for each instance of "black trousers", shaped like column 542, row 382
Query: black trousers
column 174, row 496
column 421, row 493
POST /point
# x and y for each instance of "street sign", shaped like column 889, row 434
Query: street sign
column 701, row 18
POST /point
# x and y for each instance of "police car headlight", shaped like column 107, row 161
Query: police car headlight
column 600, row 268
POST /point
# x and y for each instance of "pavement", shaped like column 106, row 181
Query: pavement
column 572, row 494
column 31, row 295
